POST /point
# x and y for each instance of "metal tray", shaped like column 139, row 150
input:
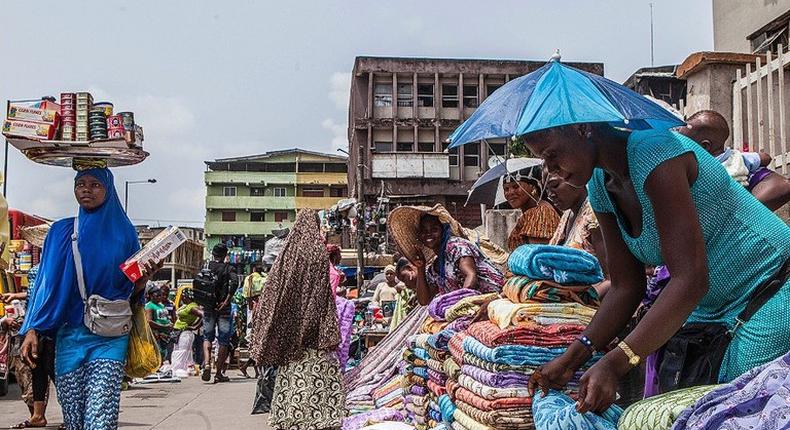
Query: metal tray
column 115, row 152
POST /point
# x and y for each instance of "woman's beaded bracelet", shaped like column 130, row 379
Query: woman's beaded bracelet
column 586, row 342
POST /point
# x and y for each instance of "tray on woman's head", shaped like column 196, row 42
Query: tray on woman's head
column 113, row 152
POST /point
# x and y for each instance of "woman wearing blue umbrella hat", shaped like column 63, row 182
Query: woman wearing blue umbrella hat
column 661, row 199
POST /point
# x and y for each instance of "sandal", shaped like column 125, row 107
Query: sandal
column 25, row 425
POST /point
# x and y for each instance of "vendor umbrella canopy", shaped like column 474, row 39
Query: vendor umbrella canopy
column 487, row 189
column 557, row 95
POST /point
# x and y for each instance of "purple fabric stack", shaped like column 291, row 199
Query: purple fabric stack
column 496, row 379
column 760, row 398
column 345, row 319
column 357, row 422
column 440, row 304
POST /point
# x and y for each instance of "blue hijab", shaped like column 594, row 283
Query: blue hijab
column 106, row 238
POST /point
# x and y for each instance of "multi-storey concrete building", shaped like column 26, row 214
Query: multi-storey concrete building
column 248, row 197
column 402, row 111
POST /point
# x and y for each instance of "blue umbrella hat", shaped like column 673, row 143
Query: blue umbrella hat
column 557, row 95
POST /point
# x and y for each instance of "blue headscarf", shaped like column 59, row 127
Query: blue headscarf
column 106, row 238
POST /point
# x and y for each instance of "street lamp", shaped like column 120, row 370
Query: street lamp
column 126, row 192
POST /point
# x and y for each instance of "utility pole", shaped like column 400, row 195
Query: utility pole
column 361, row 224
column 652, row 56
column 362, row 228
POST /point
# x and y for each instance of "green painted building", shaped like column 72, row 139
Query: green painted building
column 248, row 197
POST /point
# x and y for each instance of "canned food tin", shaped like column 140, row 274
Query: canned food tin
column 106, row 106
column 117, row 133
column 128, row 120
column 115, row 121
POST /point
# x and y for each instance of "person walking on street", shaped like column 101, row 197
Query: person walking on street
column 159, row 319
column 81, row 259
column 218, row 322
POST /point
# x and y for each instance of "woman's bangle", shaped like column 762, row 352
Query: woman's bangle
column 587, row 343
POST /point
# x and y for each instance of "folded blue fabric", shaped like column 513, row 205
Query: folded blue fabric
column 440, row 341
column 557, row 411
column 512, row 355
column 422, row 372
column 447, row 407
column 561, row 264
column 421, row 353
column 434, row 415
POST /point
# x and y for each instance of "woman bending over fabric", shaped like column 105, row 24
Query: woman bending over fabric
column 538, row 221
column 89, row 367
column 661, row 199
column 296, row 328
column 445, row 261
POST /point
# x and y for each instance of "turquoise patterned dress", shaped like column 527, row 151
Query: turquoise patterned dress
column 745, row 242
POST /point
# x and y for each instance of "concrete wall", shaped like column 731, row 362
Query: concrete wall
column 735, row 20
column 499, row 224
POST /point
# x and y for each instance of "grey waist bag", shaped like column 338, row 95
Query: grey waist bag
column 103, row 317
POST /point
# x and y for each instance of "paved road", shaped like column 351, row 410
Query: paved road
column 191, row 404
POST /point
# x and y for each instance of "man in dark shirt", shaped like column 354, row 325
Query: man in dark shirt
column 217, row 323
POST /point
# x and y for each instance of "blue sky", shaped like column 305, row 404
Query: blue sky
column 215, row 79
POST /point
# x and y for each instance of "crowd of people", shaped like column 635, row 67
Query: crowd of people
column 631, row 247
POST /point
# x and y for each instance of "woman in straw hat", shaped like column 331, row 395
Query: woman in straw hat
column 435, row 244
column 524, row 190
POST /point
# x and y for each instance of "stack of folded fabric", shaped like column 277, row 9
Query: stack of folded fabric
column 390, row 395
column 380, row 365
column 549, row 303
column 416, row 380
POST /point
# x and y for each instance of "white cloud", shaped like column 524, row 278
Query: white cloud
column 339, row 133
column 164, row 117
column 340, row 89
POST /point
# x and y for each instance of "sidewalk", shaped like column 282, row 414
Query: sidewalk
column 190, row 404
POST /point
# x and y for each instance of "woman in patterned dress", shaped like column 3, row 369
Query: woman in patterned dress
column 89, row 367
column 296, row 328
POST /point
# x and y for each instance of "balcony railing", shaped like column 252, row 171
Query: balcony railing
column 243, row 227
column 247, row 202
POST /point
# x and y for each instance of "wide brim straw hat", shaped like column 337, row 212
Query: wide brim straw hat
column 35, row 234
column 404, row 222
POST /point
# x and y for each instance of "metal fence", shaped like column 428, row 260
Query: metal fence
column 760, row 106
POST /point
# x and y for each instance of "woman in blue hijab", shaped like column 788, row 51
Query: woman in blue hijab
column 88, row 367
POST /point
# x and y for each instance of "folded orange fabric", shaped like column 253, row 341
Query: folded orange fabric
column 553, row 335
column 464, row 395
column 520, row 289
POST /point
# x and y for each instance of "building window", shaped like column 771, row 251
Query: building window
column 257, row 191
column 449, row 96
column 338, row 192
column 228, row 216
column 405, row 96
column 405, row 146
column 382, row 95
column 280, row 192
column 453, row 153
column 382, row 146
column 472, row 155
column 257, row 216
column 229, row 191
column 470, row 96
column 280, row 216
column 425, row 95
column 313, row 192
column 425, row 147
column 490, row 88
column 498, row 148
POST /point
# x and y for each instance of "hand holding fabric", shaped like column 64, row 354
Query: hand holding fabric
column 598, row 387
